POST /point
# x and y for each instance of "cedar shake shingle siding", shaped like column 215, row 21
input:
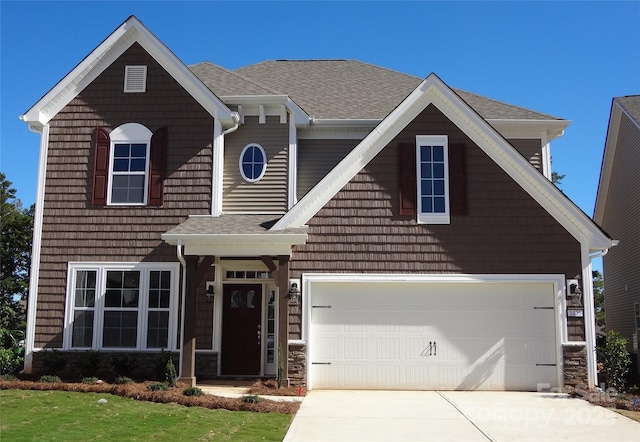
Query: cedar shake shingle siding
column 73, row 228
column 270, row 193
column 531, row 149
column 505, row 231
column 622, row 221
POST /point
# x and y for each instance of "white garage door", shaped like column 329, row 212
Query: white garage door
column 448, row 336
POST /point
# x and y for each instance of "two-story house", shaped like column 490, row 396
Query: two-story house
column 617, row 210
column 342, row 224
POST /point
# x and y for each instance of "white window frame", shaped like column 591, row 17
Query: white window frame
column 129, row 133
column 143, row 308
column 430, row 217
column 264, row 167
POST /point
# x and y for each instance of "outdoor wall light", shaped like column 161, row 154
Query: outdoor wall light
column 294, row 293
column 209, row 293
column 574, row 292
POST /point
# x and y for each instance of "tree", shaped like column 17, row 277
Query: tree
column 598, row 295
column 15, row 260
column 556, row 178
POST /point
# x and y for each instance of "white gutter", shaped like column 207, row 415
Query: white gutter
column 34, row 278
column 236, row 123
column 184, row 290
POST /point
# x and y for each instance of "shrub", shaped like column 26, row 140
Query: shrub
column 170, row 373
column 123, row 380
column 615, row 360
column 123, row 364
column 251, row 399
column 53, row 361
column 192, row 391
column 87, row 363
column 8, row 377
column 160, row 364
column 10, row 361
column 90, row 380
column 50, row 379
column 156, row 386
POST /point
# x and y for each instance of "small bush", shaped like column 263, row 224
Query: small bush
column 10, row 361
column 251, row 399
column 50, row 379
column 157, row 386
column 90, row 380
column 87, row 363
column 634, row 390
column 170, row 373
column 121, row 380
column 8, row 377
column 160, row 364
column 53, row 362
column 192, row 391
column 615, row 360
column 123, row 364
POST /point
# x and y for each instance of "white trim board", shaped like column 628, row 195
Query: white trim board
column 434, row 91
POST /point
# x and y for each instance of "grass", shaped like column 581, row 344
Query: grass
column 63, row 416
column 635, row 415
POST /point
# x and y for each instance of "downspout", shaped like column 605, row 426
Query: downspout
column 236, row 124
column 34, row 273
column 184, row 290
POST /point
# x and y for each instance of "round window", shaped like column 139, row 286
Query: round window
column 253, row 163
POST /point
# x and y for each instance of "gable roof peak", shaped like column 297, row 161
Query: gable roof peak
column 121, row 39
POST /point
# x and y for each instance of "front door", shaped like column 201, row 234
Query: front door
column 241, row 329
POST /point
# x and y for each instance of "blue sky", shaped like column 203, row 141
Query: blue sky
column 567, row 59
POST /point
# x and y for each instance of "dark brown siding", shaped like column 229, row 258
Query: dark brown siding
column 531, row 149
column 76, row 230
column 504, row 232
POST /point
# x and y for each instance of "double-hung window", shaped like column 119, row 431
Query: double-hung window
column 129, row 164
column 432, row 173
column 121, row 306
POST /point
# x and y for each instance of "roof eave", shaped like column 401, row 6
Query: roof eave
column 520, row 128
column 300, row 117
column 237, row 245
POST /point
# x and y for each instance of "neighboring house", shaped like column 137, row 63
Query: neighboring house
column 418, row 222
column 618, row 212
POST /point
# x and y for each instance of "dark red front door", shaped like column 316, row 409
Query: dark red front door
column 241, row 322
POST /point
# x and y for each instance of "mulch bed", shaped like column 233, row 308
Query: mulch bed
column 609, row 400
column 270, row 388
column 139, row 391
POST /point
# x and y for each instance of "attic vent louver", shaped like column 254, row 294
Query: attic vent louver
column 135, row 78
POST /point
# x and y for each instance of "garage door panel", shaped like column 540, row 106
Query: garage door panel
column 433, row 336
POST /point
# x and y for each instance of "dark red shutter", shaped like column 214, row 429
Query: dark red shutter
column 407, row 178
column 156, row 169
column 101, row 144
column 457, row 179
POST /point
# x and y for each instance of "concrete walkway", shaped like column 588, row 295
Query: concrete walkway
column 455, row 416
column 236, row 391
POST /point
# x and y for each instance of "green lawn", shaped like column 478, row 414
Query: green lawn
column 27, row 415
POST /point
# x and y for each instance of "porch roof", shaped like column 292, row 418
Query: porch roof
column 234, row 235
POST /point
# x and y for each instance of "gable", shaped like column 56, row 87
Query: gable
column 434, row 91
column 130, row 32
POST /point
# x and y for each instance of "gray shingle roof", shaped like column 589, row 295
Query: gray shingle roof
column 224, row 82
column 631, row 104
column 230, row 224
column 340, row 89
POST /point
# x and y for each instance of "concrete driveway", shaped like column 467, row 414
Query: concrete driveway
column 455, row 416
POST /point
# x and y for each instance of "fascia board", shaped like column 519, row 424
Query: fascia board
column 364, row 152
column 434, row 91
column 204, row 239
column 551, row 129
column 300, row 117
column 104, row 55
column 608, row 155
